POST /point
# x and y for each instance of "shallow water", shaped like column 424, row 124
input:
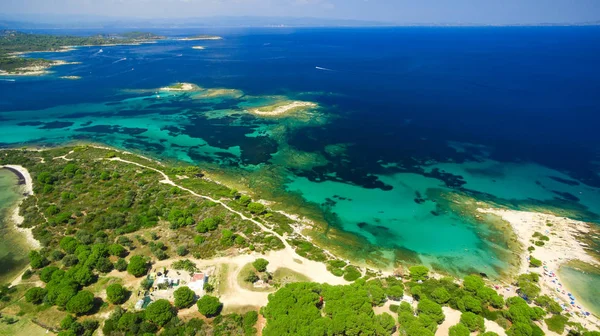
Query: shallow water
column 584, row 286
column 505, row 113
column 13, row 246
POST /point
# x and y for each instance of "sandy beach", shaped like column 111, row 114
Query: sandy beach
column 561, row 247
column 180, row 87
column 277, row 110
column 36, row 70
column 200, row 38
column 15, row 217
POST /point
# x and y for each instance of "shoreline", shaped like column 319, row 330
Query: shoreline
column 36, row 70
column 561, row 247
column 279, row 110
column 26, row 183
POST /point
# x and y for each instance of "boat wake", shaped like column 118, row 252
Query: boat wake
column 8, row 80
column 120, row 60
column 324, row 69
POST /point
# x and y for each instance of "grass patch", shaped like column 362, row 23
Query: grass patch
column 284, row 275
column 24, row 327
column 247, row 269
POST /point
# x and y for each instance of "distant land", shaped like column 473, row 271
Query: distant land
column 27, row 21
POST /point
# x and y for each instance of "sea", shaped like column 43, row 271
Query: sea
column 413, row 126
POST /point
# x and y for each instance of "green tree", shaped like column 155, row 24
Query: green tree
column 473, row 283
column 184, row 297
column 46, row 273
column 472, row 321
column 209, row 306
column 116, row 294
column 160, row 312
column 256, row 208
column 418, row 272
column 260, row 264
column 121, row 265
column 81, row 303
column 459, row 330
column 431, row 309
column 137, row 266
column 117, row 250
column 440, row 295
column 36, row 260
column 35, row 295
column 395, row 292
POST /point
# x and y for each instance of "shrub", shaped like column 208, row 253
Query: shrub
column 81, row 303
column 121, row 265
column 209, row 306
column 137, row 266
column 184, row 297
column 472, row 321
column 351, row 273
column 35, row 295
column 36, row 260
column 260, row 264
column 459, row 330
column 160, row 312
column 533, row 262
column 116, row 294
column 418, row 272
column 256, row 208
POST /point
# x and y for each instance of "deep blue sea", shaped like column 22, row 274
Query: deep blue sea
column 405, row 117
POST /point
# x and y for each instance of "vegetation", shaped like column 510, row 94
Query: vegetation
column 116, row 294
column 260, row 264
column 184, row 297
column 14, row 41
column 209, row 306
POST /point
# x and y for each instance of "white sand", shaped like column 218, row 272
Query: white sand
column 562, row 247
column 204, row 38
column 184, row 87
column 283, row 109
column 15, row 217
column 35, row 70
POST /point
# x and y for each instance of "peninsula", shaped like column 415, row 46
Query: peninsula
column 130, row 244
column 14, row 45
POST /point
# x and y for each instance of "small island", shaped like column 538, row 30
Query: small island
column 282, row 108
column 200, row 38
column 180, row 87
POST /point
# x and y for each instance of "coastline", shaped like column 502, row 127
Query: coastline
column 26, row 183
column 36, row 70
column 561, row 247
column 278, row 110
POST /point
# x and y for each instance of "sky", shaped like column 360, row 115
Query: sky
column 392, row 11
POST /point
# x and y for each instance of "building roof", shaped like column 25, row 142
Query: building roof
column 198, row 277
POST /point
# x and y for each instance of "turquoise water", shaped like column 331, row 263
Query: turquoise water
column 486, row 111
column 584, row 286
column 13, row 248
column 393, row 219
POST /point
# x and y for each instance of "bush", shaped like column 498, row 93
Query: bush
column 472, row 321
column 419, row 272
column 533, row 262
column 351, row 273
column 260, row 264
column 36, row 260
column 209, row 306
column 557, row 323
column 160, row 312
column 182, row 250
column 184, row 297
column 81, row 303
column 459, row 330
column 137, row 266
column 121, row 265
column 256, row 208
column 35, row 295
column 116, row 294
